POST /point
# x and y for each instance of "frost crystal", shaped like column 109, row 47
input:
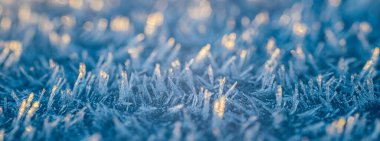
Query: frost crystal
column 189, row 70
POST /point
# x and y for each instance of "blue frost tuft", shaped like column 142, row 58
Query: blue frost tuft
column 189, row 70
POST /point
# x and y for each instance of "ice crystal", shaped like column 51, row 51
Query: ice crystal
column 189, row 70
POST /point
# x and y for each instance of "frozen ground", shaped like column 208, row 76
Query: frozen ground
column 189, row 70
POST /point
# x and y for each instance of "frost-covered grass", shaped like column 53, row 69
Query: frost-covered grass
column 189, row 70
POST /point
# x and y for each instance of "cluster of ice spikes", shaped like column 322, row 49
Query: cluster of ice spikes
column 189, row 70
